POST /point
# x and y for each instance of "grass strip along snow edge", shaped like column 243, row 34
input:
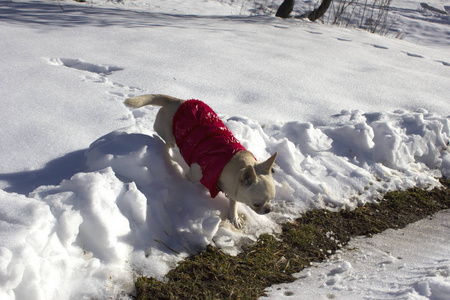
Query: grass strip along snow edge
column 313, row 237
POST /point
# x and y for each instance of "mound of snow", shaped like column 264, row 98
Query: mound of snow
column 132, row 210
column 65, row 240
column 361, row 156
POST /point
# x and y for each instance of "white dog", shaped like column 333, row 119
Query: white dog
column 215, row 157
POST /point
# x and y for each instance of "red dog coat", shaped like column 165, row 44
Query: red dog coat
column 204, row 139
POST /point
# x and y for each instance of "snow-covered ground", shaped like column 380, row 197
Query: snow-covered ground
column 412, row 263
column 88, row 201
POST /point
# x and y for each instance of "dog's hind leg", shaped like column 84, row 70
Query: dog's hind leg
column 163, row 123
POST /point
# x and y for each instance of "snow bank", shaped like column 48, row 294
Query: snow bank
column 65, row 241
column 132, row 210
column 361, row 156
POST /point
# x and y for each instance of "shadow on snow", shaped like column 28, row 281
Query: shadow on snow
column 70, row 15
column 52, row 173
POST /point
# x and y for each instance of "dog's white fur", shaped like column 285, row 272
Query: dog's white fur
column 242, row 179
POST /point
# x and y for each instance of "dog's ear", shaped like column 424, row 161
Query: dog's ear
column 249, row 176
column 266, row 166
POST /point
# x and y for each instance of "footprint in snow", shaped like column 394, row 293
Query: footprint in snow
column 343, row 40
column 98, row 73
column 444, row 63
column 122, row 91
column 378, row 46
column 81, row 65
column 280, row 27
column 314, row 32
column 447, row 64
column 412, row 54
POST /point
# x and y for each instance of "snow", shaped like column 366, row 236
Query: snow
column 91, row 199
column 377, row 268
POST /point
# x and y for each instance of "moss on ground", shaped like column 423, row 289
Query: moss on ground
column 312, row 238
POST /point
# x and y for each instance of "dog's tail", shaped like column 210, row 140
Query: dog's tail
column 151, row 99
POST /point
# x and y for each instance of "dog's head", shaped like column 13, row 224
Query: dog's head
column 256, row 187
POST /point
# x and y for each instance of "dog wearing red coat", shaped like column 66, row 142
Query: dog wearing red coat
column 215, row 157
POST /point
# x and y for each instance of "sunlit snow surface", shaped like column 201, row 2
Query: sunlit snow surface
column 90, row 197
column 411, row 263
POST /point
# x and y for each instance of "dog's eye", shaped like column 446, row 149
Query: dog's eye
column 272, row 170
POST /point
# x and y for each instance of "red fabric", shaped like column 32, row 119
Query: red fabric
column 204, row 139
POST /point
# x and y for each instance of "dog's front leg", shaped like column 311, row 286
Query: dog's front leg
column 234, row 217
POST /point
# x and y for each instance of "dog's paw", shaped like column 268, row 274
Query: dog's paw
column 237, row 222
column 234, row 216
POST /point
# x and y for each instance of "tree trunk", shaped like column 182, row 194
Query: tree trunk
column 320, row 11
column 285, row 9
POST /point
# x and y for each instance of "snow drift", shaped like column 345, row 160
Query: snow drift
column 132, row 210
